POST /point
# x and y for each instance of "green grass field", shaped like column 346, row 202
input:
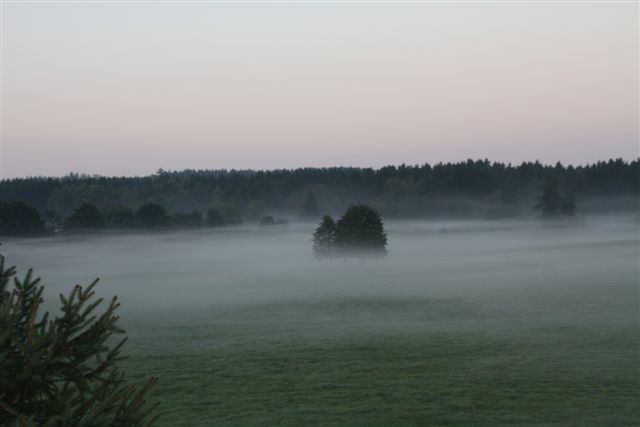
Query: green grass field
column 546, row 376
column 478, row 326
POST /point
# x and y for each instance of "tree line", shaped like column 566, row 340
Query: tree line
column 19, row 219
column 463, row 188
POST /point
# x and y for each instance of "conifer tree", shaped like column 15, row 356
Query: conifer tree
column 63, row 371
column 549, row 200
column 324, row 238
column 85, row 216
column 19, row 219
column 568, row 205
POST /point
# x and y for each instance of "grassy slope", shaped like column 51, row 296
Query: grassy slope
column 479, row 373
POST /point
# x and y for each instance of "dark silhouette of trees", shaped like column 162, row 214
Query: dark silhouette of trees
column 120, row 217
column 460, row 189
column 19, row 219
column 152, row 215
column 549, row 200
column 85, row 216
column 52, row 221
column 324, row 238
column 231, row 214
column 359, row 233
column 214, row 218
column 550, row 203
column 188, row 220
column 62, row 371
column 568, row 205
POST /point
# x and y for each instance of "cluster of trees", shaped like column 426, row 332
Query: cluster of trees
column 466, row 188
column 149, row 215
column 62, row 371
column 19, row 219
column 551, row 203
column 359, row 232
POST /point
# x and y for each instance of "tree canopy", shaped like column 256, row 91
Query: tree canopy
column 359, row 232
column 324, row 238
column 85, row 216
column 452, row 189
column 152, row 215
column 18, row 218
column 551, row 203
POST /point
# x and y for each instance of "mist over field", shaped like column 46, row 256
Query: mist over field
column 214, row 312
column 319, row 213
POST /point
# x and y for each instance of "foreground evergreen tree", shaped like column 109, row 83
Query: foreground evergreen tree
column 63, row 371
column 360, row 232
column 324, row 238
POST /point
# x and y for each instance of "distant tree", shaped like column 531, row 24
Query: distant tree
column 324, row 238
column 549, row 200
column 152, row 215
column 509, row 190
column 85, row 216
column 310, row 206
column 231, row 214
column 19, row 219
column 52, row 221
column 190, row 220
column 360, row 232
column 214, row 218
column 568, row 205
column 120, row 217
column 62, row 371
column 255, row 209
column 551, row 203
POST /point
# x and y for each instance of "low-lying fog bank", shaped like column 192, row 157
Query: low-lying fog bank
column 489, row 274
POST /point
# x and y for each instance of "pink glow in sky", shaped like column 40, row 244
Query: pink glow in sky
column 127, row 88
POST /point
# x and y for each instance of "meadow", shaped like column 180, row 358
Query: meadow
column 475, row 323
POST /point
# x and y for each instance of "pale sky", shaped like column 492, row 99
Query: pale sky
column 127, row 88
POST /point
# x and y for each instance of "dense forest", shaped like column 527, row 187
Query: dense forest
column 465, row 189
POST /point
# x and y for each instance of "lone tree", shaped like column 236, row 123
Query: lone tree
column 324, row 238
column 568, row 205
column 550, row 203
column 359, row 233
column 85, row 216
column 549, row 199
column 63, row 371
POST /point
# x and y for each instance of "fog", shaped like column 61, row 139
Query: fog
column 253, row 286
